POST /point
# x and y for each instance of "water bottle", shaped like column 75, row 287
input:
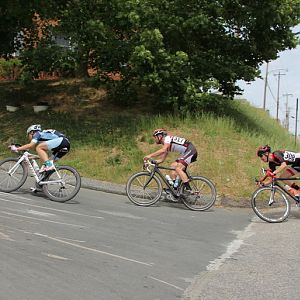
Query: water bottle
column 169, row 179
column 35, row 166
column 176, row 183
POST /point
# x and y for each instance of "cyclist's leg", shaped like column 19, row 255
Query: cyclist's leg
column 290, row 185
column 61, row 150
column 183, row 162
column 42, row 151
column 48, row 145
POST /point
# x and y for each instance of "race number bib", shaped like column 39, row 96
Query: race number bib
column 178, row 140
column 289, row 156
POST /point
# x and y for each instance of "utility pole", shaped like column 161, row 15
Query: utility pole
column 287, row 111
column 296, row 122
column 266, row 84
column 278, row 87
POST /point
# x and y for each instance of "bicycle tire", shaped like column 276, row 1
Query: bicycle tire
column 59, row 192
column 275, row 212
column 203, row 195
column 10, row 183
column 141, row 195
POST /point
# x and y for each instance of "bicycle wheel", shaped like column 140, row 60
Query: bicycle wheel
column 68, row 186
column 12, row 176
column 141, row 192
column 270, row 204
column 203, row 194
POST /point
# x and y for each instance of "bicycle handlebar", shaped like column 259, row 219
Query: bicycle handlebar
column 30, row 155
column 149, row 163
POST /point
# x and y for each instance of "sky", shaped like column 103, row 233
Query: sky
column 288, row 63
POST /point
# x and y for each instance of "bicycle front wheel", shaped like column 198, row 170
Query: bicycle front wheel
column 63, row 184
column 143, row 190
column 203, row 194
column 12, row 176
column 270, row 204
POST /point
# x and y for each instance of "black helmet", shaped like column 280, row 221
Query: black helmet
column 263, row 150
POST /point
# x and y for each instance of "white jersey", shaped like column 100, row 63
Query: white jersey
column 177, row 144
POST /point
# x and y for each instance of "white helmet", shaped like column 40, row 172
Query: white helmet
column 36, row 127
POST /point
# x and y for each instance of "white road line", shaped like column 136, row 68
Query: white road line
column 231, row 249
column 6, row 237
column 43, row 220
column 93, row 250
column 120, row 214
column 18, row 220
column 39, row 213
column 53, row 209
column 56, row 256
column 167, row 283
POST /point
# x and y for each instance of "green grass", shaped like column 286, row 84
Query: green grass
column 108, row 143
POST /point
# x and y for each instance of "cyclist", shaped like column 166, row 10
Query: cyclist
column 287, row 163
column 44, row 141
column 174, row 144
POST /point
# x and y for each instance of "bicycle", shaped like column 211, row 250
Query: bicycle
column 60, row 184
column 270, row 203
column 145, row 188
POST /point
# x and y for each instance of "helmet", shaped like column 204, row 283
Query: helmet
column 36, row 127
column 161, row 131
column 262, row 150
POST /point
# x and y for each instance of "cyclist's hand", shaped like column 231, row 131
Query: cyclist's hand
column 259, row 182
column 146, row 158
column 270, row 173
column 13, row 148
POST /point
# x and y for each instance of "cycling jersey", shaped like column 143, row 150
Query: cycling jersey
column 46, row 135
column 55, row 140
column 182, row 146
column 290, row 158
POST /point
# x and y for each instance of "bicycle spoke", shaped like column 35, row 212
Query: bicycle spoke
column 202, row 196
column 140, row 193
column 270, row 204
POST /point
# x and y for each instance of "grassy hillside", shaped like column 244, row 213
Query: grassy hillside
column 108, row 142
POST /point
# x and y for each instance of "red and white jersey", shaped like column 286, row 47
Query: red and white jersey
column 177, row 144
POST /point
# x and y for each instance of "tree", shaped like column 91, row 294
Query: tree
column 178, row 50
column 15, row 15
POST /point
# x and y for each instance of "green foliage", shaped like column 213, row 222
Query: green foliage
column 180, row 51
column 48, row 57
column 10, row 68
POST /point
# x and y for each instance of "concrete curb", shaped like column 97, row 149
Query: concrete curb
column 120, row 189
column 103, row 186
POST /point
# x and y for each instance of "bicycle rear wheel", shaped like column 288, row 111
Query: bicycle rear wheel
column 68, row 186
column 203, row 194
column 12, row 177
column 270, row 204
column 143, row 190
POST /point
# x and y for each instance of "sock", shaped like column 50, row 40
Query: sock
column 187, row 186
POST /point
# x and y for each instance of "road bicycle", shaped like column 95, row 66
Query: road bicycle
column 60, row 184
column 145, row 188
column 271, row 202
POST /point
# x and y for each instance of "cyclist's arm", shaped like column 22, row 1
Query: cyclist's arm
column 280, row 168
column 162, row 157
column 26, row 146
column 162, row 151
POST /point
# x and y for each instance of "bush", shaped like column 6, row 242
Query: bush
column 10, row 69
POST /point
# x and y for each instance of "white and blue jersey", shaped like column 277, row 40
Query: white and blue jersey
column 54, row 139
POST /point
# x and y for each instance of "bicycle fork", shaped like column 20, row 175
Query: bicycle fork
column 271, row 200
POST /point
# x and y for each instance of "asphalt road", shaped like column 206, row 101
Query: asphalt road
column 100, row 246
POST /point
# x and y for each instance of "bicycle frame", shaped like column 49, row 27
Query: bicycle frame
column 26, row 156
column 276, row 183
column 156, row 170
